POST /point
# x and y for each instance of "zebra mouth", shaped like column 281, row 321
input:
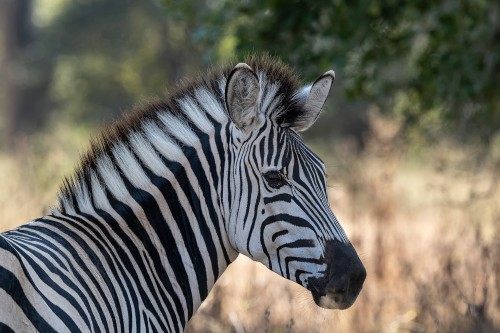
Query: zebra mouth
column 331, row 299
column 343, row 279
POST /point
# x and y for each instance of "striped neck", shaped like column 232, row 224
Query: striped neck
column 159, row 193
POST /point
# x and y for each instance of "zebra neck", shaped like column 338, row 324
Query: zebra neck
column 162, row 203
column 181, row 219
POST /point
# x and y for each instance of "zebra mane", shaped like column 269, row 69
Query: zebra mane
column 279, row 100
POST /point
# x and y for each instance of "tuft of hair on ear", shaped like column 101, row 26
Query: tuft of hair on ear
column 295, row 111
column 309, row 102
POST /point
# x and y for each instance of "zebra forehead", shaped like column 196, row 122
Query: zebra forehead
column 280, row 146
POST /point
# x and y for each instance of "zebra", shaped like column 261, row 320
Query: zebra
column 168, row 196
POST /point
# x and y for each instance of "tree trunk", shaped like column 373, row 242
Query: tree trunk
column 24, row 90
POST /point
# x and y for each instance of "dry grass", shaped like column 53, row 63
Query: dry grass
column 30, row 177
column 427, row 229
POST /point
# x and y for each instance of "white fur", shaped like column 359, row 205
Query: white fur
column 179, row 128
column 146, row 153
column 162, row 142
column 100, row 199
column 271, row 100
column 82, row 195
column 196, row 115
column 129, row 166
column 109, row 174
column 212, row 105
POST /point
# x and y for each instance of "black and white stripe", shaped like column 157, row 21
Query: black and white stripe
column 165, row 200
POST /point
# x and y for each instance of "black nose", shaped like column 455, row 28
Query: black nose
column 344, row 278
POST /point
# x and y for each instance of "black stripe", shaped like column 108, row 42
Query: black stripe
column 270, row 146
column 299, row 243
column 64, row 244
column 250, row 174
column 104, row 246
column 5, row 329
column 181, row 218
column 298, row 273
column 126, row 262
column 114, row 260
column 278, row 197
column 299, row 259
column 160, row 225
column 194, row 200
column 221, row 226
column 41, row 272
column 293, row 220
column 135, row 225
column 12, row 286
column 278, row 233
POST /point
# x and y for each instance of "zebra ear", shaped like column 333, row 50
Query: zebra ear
column 313, row 97
column 242, row 95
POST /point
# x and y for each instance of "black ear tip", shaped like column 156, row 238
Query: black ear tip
column 242, row 65
column 241, row 68
column 330, row 73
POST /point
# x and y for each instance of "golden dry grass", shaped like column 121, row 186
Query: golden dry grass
column 30, row 177
column 426, row 227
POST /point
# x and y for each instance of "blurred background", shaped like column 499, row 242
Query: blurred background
column 410, row 136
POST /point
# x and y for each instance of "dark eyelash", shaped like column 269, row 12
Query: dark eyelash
column 275, row 178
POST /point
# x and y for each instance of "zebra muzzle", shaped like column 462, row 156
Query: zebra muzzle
column 344, row 278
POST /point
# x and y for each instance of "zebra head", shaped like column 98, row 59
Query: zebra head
column 279, row 213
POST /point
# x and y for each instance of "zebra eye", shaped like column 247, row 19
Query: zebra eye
column 275, row 178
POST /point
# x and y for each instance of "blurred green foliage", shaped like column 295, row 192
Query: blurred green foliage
column 442, row 57
column 91, row 60
column 111, row 53
column 434, row 65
